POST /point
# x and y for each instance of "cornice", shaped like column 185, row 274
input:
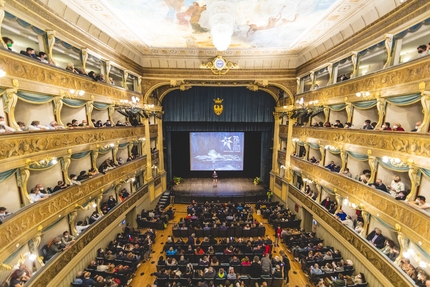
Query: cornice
column 404, row 78
column 380, row 265
column 24, row 224
column 414, row 146
column 37, row 77
column 377, row 30
column 45, row 15
column 413, row 223
column 15, row 148
column 55, row 265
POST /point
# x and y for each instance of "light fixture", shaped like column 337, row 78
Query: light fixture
column 123, row 101
column 135, row 100
column 221, row 20
column 74, row 92
column 2, row 73
column 295, row 140
column 346, row 201
column 394, row 161
column 300, row 102
column 363, row 94
column 32, row 257
column 283, row 167
column 94, row 205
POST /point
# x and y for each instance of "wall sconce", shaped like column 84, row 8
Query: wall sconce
column 77, row 92
column 330, row 147
column 111, row 145
column 154, row 167
column 295, row 140
column 283, row 167
column 313, row 102
column 94, row 205
column 43, row 163
column 142, row 139
column 363, row 94
column 300, row 102
column 135, row 100
column 346, row 201
column 2, row 73
column 123, row 101
column 393, row 161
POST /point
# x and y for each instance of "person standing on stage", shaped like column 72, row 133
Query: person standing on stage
column 172, row 196
column 215, row 178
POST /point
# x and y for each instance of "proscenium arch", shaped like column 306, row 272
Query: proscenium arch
column 274, row 96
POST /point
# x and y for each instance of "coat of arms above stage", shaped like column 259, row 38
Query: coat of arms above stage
column 218, row 107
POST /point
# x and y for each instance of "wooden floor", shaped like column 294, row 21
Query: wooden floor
column 143, row 278
column 224, row 186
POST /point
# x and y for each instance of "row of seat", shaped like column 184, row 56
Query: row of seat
column 238, row 269
column 273, row 282
column 286, row 224
column 216, row 232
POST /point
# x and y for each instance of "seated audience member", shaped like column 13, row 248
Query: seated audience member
column 397, row 127
column 60, row 185
column 36, row 195
column 9, row 42
column 74, row 179
column 36, row 126
column 71, row 67
column 83, row 124
column 333, row 207
column 359, row 278
column 379, row 185
column 18, row 278
column 93, row 172
column 92, row 75
column 365, row 176
column 397, row 185
column 421, row 203
column 330, row 166
column 341, row 215
column 3, row 213
column 422, row 50
column 209, row 273
column 386, row 126
column 111, row 202
column 348, row 222
column 422, row 277
column 67, row 239
column 111, row 81
column 346, row 172
column 101, row 78
column 315, row 270
column 56, row 247
column 94, row 217
column 376, row 238
column 338, row 124
column 80, row 227
column 326, row 202
column 4, row 128
column 22, row 127
column 29, row 52
column 359, row 227
column 394, row 253
column 406, row 266
column 367, row 125
column 78, row 279
column 54, row 126
column 402, row 195
column 82, row 175
column 43, row 57
column 125, row 194
column 108, row 123
column 88, row 281
column 417, row 126
column 343, row 77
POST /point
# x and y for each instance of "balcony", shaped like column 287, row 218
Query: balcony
column 16, row 147
column 413, row 223
column 24, row 224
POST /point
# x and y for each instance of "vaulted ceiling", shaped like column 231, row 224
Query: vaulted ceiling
column 267, row 33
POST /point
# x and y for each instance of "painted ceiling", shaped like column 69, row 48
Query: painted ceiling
column 259, row 24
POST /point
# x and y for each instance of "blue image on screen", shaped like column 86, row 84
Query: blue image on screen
column 216, row 150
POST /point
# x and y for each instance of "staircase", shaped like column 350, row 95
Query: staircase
column 164, row 200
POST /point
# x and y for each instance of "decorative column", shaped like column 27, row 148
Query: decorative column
column 415, row 177
column 319, row 189
column 373, row 164
column 160, row 145
column 34, row 244
column 147, row 151
column 84, row 58
column 72, row 222
column 22, row 177
column 94, row 156
column 330, row 73
column 1, row 22
column 425, row 102
column 139, row 85
column 58, row 106
column 335, row 73
column 108, row 67
column 99, row 201
column 65, row 163
column 403, row 243
column 313, row 78
column 115, row 152
column 275, row 148
column 349, row 110
column 366, row 219
column 89, row 106
column 50, row 41
column 381, row 105
column 355, row 62
column 290, row 147
column 130, row 147
column 322, row 151
column 111, row 111
column 124, row 79
column 339, row 200
column 299, row 86
column 389, row 40
column 306, row 146
column 344, row 158
column 326, row 114
column 9, row 103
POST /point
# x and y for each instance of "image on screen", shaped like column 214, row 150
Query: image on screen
column 216, row 150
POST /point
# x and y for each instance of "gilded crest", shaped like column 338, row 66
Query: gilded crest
column 218, row 107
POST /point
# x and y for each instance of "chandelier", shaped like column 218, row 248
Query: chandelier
column 221, row 20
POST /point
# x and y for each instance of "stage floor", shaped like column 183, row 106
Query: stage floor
column 202, row 189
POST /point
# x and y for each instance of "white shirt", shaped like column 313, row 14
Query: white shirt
column 397, row 186
column 348, row 222
column 35, row 197
column 6, row 127
column 80, row 228
column 35, row 128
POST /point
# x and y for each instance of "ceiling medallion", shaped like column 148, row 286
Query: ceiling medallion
column 219, row 65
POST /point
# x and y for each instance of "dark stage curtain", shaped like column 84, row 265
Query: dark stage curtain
column 244, row 110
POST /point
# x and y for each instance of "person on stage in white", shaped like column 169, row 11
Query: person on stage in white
column 215, row 178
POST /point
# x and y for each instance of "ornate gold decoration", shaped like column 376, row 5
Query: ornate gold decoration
column 63, row 259
column 9, row 102
column 15, row 145
column 50, row 41
column 84, row 58
column 47, row 211
column 218, row 106
column 379, row 262
column 219, row 65
column 2, row 13
column 389, row 39
column 413, row 222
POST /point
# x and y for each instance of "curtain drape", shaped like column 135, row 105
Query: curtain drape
column 337, row 107
column 425, row 172
column 328, row 190
column 34, row 98
column 80, row 155
column 364, row 105
column 389, row 166
column 404, row 100
column 6, row 174
column 123, row 145
column 358, row 156
column 100, row 106
column 74, row 103
column 384, row 223
column 314, row 146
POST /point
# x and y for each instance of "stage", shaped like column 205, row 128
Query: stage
column 227, row 189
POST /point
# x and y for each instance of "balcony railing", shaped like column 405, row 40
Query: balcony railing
column 24, row 224
column 374, row 256
column 16, row 146
column 413, row 223
column 281, row 157
column 153, row 131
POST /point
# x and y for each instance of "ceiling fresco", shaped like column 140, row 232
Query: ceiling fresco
column 263, row 24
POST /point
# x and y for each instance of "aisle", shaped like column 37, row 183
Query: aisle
column 143, row 277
